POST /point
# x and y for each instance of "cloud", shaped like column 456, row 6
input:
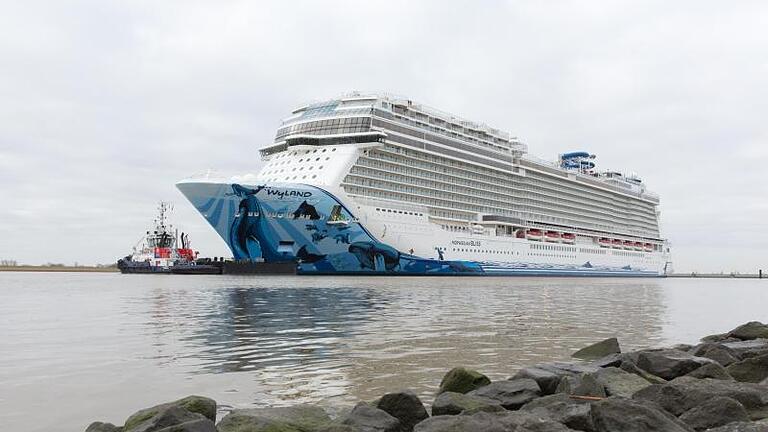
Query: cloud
column 105, row 105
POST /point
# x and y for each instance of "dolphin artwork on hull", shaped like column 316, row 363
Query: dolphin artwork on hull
column 375, row 256
column 249, row 228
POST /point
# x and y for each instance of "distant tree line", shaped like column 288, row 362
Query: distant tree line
column 8, row 263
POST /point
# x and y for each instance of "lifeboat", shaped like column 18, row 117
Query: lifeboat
column 604, row 242
column 568, row 238
column 628, row 244
column 552, row 236
column 638, row 246
column 616, row 243
column 648, row 247
column 533, row 234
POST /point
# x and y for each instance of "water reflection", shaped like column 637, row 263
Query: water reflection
column 357, row 339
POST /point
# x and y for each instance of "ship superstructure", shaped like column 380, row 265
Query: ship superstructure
column 375, row 183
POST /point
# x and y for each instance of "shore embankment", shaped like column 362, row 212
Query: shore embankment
column 60, row 269
column 718, row 385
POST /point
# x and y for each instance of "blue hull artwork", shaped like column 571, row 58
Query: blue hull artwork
column 307, row 225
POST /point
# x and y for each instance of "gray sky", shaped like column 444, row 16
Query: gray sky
column 104, row 105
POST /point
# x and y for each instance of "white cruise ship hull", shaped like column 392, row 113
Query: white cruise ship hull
column 327, row 232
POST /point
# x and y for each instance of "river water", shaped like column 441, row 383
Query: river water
column 80, row 347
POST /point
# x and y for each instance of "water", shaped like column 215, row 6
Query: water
column 81, row 347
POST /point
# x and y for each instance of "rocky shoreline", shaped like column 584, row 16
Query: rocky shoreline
column 719, row 385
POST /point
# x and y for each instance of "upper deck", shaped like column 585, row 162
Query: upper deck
column 359, row 118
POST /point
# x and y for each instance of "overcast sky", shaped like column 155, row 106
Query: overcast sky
column 105, row 105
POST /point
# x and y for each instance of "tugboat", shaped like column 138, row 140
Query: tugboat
column 158, row 252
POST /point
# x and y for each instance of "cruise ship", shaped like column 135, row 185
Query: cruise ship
column 377, row 184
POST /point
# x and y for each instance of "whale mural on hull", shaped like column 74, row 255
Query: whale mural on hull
column 311, row 227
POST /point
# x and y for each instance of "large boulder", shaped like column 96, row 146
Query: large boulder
column 194, row 404
column 669, row 364
column 462, row 380
column 404, row 406
column 172, row 419
column 598, row 350
column 712, row 370
column 510, row 394
column 752, row 369
column 548, row 375
column 296, row 418
column 574, row 413
column 619, row 414
column 715, row 412
column 452, row 403
column 103, row 427
column 684, row 393
column 742, row 427
column 749, row 348
column 668, row 397
column 517, row 421
column 485, row 422
column 750, row 330
column 367, row 418
column 581, row 385
column 618, row 382
column 628, row 366
column 717, row 352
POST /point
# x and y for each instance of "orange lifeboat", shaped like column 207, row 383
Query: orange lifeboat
column 604, row 242
column 533, row 234
column 552, row 236
column 628, row 244
column 648, row 247
column 568, row 238
column 638, row 246
column 616, row 243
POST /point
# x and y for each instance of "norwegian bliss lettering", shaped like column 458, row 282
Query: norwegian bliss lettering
column 466, row 242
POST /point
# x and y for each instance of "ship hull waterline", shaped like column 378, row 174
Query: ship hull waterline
column 284, row 222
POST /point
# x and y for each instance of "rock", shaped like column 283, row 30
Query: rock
column 297, row 418
column 338, row 428
column 741, row 427
column 721, row 354
column 712, row 370
column 461, row 380
column 195, row 404
column 684, row 393
column 716, row 337
column 510, row 394
column 103, row 427
column 715, row 412
column 632, row 368
column 619, row 383
column 753, row 369
column 667, row 397
column 548, row 375
column 669, row 364
column 404, row 406
column 171, row 419
column 452, row 403
column 485, row 422
column 749, row 348
column 598, row 350
column 367, row 418
column 581, row 385
column 618, row 414
column 750, row 330
column 562, row 408
column 682, row 347
column 610, row 360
